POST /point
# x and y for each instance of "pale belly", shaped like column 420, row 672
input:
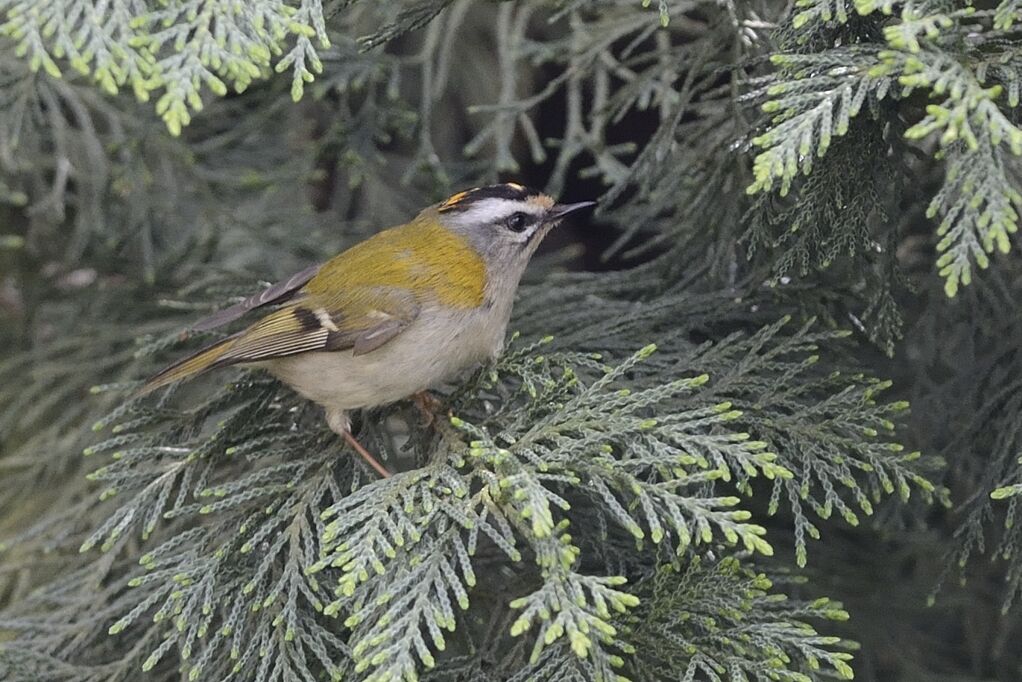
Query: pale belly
column 436, row 348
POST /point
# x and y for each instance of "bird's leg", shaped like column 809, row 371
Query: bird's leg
column 429, row 405
column 357, row 447
column 339, row 423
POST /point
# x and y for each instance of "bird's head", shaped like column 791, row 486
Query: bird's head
column 504, row 223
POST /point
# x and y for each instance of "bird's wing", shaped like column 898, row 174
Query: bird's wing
column 361, row 319
column 275, row 293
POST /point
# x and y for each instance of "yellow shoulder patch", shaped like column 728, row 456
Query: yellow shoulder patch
column 422, row 257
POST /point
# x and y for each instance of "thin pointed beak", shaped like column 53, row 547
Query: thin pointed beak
column 558, row 211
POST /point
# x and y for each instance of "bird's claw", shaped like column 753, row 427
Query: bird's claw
column 429, row 406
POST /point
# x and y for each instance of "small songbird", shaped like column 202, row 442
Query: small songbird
column 402, row 311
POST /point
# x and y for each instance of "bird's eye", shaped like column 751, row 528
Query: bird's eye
column 517, row 222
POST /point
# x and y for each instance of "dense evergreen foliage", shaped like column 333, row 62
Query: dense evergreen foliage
column 697, row 458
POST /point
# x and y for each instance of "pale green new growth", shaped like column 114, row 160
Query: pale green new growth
column 971, row 87
column 712, row 645
column 808, row 112
column 174, row 50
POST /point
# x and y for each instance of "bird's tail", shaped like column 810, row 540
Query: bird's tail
column 208, row 358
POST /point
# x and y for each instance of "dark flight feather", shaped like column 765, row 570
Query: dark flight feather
column 275, row 293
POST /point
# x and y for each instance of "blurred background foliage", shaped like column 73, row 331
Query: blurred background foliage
column 808, row 207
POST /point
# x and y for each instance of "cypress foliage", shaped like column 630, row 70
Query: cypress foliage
column 696, row 458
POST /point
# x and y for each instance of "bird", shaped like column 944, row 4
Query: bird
column 407, row 309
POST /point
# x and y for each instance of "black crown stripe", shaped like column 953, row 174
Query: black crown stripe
column 508, row 190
